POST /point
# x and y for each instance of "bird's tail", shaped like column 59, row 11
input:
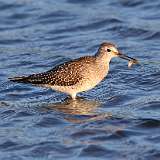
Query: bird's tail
column 33, row 79
column 22, row 79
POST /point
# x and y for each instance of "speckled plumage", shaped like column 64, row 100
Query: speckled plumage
column 67, row 74
column 77, row 75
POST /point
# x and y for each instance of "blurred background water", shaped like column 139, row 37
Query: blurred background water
column 117, row 120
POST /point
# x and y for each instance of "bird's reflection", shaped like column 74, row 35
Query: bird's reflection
column 79, row 110
column 79, row 106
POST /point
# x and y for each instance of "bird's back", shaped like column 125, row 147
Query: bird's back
column 67, row 74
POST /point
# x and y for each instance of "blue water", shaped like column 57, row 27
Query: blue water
column 117, row 120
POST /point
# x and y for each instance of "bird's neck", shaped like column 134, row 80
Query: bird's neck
column 102, row 61
column 103, row 58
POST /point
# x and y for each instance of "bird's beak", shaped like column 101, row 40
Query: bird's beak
column 123, row 56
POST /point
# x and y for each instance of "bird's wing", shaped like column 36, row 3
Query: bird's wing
column 66, row 74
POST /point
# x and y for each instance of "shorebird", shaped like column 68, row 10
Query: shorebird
column 77, row 75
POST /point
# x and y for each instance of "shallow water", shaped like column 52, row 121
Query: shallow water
column 117, row 120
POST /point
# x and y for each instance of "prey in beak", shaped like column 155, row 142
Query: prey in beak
column 130, row 59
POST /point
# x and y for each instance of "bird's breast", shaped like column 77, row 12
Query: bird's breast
column 93, row 76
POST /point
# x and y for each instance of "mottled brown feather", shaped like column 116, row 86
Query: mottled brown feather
column 66, row 74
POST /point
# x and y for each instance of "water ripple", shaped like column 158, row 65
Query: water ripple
column 86, row 27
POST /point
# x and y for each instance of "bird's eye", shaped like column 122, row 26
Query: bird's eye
column 108, row 50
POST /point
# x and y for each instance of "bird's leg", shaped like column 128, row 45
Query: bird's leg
column 73, row 95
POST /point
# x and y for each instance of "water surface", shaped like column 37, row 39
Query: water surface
column 117, row 120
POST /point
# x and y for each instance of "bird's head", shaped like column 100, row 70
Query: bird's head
column 109, row 50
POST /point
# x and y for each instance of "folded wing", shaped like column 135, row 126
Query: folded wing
column 67, row 74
